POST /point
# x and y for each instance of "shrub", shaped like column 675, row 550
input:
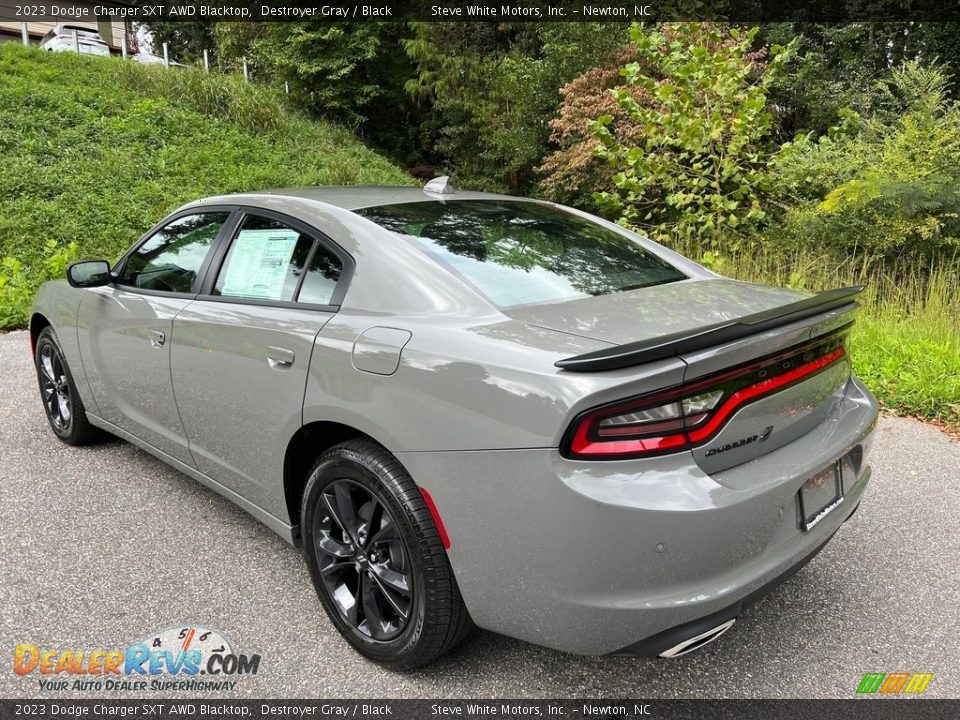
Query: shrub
column 491, row 88
column 690, row 166
column 884, row 183
column 18, row 285
column 573, row 172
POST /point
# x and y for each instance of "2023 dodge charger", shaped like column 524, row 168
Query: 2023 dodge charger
column 471, row 408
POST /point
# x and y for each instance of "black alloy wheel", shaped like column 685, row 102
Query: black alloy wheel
column 61, row 401
column 376, row 558
column 363, row 560
column 55, row 388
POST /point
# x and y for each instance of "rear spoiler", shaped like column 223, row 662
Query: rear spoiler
column 666, row 346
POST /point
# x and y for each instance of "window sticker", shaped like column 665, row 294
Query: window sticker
column 258, row 263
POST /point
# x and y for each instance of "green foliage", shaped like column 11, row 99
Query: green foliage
column 186, row 40
column 93, row 151
column 249, row 107
column 352, row 73
column 16, row 292
column 906, row 341
column 491, row 89
column 691, row 168
column 911, row 361
column 332, row 66
column 888, row 183
column 18, row 285
column 834, row 63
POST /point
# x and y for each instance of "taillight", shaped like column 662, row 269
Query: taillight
column 684, row 417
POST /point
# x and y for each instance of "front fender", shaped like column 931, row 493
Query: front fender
column 58, row 305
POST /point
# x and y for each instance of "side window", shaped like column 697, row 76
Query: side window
column 170, row 260
column 321, row 278
column 265, row 261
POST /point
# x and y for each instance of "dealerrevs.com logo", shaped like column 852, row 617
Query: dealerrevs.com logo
column 188, row 659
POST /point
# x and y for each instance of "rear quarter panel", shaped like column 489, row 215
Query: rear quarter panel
column 469, row 378
column 488, row 385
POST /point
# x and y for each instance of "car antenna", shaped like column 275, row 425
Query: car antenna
column 439, row 186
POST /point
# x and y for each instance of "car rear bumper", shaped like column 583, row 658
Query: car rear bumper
column 610, row 557
column 666, row 642
column 85, row 49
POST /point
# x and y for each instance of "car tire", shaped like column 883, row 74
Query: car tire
column 58, row 392
column 376, row 558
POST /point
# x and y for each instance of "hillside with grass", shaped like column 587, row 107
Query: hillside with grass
column 94, row 151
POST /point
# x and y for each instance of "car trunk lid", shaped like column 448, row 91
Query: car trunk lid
column 799, row 374
column 634, row 315
column 778, row 356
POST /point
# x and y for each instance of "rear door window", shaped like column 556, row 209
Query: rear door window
column 321, row 279
column 265, row 261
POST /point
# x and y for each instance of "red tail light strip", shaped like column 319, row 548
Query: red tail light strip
column 582, row 445
column 764, row 387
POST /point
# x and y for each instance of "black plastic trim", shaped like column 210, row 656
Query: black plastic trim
column 212, row 262
column 674, row 344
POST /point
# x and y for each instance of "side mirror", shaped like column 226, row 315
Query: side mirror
column 89, row 273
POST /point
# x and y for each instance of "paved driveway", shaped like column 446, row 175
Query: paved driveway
column 102, row 545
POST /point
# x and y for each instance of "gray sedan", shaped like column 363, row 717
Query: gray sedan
column 472, row 409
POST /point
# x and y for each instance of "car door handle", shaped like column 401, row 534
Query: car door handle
column 279, row 358
column 157, row 338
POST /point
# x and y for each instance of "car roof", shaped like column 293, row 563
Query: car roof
column 74, row 26
column 333, row 211
column 356, row 197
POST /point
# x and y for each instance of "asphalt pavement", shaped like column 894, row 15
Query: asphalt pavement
column 104, row 544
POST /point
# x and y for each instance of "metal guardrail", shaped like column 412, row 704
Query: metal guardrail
column 25, row 36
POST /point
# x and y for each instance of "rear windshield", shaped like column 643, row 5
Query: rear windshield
column 520, row 253
column 89, row 32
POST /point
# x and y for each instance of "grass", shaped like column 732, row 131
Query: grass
column 93, row 151
column 905, row 344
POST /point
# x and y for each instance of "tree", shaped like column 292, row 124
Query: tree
column 691, row 164
column 883, row 184
column 186, row 41
column 350, row 72
column 573, row 172
column 834, row 63
column 491, row 89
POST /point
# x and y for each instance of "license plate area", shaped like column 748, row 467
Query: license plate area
column 821, row 495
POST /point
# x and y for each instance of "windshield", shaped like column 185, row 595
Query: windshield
column 520, row 253
column 86, row 33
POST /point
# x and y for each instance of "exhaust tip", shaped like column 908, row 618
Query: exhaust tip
column 698, row 641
